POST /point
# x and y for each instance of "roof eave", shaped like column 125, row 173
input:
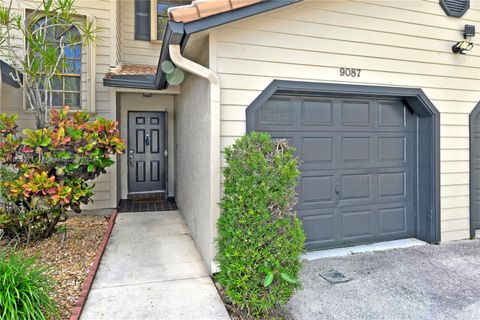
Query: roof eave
column 6, row 70
column 128, row 83
column 234, row 15
column 178, row 33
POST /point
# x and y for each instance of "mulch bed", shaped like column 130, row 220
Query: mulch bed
column 70, row 260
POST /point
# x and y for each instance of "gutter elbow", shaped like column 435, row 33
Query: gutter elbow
column 191, row 66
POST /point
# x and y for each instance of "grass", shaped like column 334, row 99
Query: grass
column 24, row 289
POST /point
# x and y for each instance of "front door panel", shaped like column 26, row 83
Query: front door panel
column 146, row 151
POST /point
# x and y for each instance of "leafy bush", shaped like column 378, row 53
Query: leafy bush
column 24, row 289
column 260, row 239
column 47, row 170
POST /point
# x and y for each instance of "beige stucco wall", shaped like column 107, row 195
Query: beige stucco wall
column 192, row 156
column 157, row 102
column 11, row 99
column 395, row 43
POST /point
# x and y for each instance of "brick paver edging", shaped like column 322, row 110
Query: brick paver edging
column 87, row 284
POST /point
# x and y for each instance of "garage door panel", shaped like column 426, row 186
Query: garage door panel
column 357, row 158
column 356, row 149
column 277, row 111
column 307, row 129
column 356, row 186
column 393, row 220
column 392, row 148
column 356, row 113
column 357, row 223
column 392, row 184
column 393, row 114
column 366, row 223
column 320, row 228
column 317, row 190
column 317, row 149
column 317, row 112
column 346, row 150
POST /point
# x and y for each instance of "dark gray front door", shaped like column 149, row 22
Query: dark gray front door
column 146, row 152
column 358, row 169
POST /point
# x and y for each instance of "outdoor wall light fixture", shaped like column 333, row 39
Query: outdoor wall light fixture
column 465, row 45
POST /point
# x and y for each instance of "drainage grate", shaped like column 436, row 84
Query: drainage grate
column 334, row 277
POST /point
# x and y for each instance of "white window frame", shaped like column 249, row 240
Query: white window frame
column 90, row 82
column 153, row 21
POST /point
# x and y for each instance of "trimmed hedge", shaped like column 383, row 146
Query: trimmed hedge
column 260, row 239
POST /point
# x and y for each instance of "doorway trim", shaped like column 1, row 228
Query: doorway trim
column 130, row 101
column 165, row 158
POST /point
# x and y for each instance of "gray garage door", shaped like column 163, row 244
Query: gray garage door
column 475, row 170
column 357, row 167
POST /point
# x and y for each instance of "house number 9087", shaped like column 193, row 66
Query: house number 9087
column 350, row 72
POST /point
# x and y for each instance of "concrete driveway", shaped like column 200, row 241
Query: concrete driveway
column 423, row 282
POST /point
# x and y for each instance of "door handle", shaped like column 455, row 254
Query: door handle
column 147, row 139
column 131, row 158
column 337, row 188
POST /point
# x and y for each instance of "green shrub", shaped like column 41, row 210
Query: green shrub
column 24, row 289
column 260, row 239
column 47, row 171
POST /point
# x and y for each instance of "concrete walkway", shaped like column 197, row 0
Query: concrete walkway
column 151, row 269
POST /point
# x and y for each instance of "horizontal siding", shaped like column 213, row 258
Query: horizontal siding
column 429, row 7
column 453, row 235
column 11, row 99
column 434, row 17
column 456, row 77
column 454, row 143
column 135, row 51
column 395, row 43
column 455, row 190
column 454, row 166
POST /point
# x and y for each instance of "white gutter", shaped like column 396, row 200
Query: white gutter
column 215, row 177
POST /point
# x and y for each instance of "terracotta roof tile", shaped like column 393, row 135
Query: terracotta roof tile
column 200, row 9
column 132, row 70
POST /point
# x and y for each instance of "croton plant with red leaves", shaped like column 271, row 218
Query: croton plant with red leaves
column 46, row 171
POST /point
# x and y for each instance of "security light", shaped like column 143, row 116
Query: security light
column 465, row 45
column 462, row 47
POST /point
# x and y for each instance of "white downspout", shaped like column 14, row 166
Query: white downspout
column 199, row 70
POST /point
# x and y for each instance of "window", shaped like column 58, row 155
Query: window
column 151, row 17
column 142, row 20
column 162, row 17
column 66, row 86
